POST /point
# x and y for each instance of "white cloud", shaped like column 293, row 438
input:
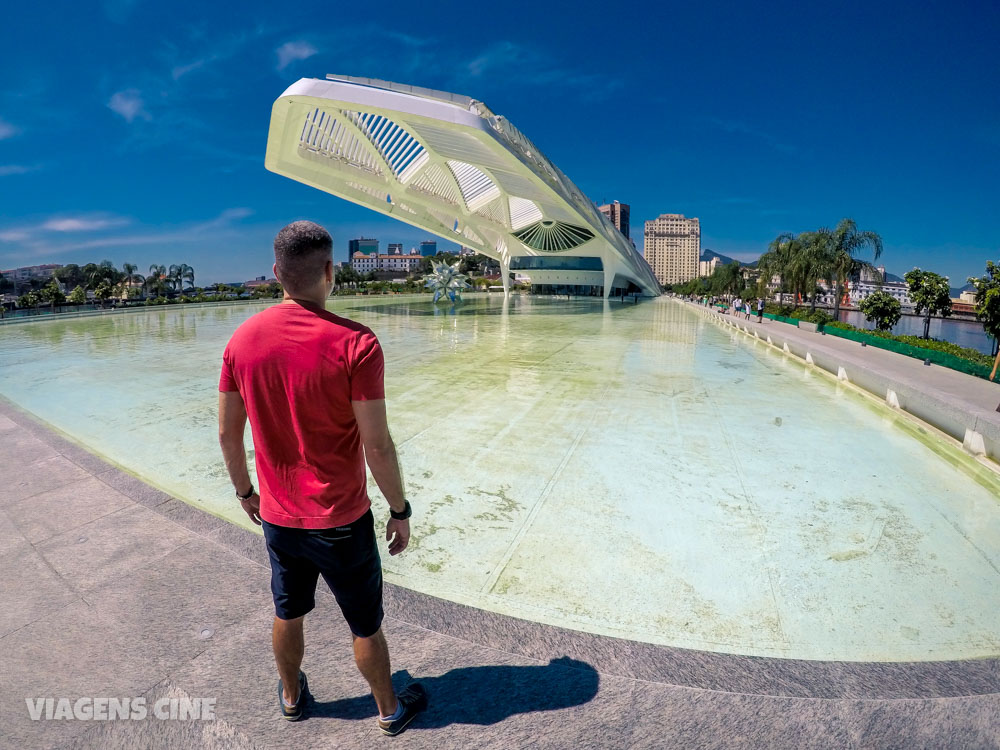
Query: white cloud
column 290, row 52
column 183, row 70
column 129, row 104
column 9, row 169
column 7, row 130
column 78, row 224
column 13, row 235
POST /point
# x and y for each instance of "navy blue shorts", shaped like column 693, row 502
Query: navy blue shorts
column 347, row 558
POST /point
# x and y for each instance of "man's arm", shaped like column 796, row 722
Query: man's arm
column 380, row 453
column 232, row 424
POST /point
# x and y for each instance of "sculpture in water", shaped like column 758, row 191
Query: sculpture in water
column 445, row 280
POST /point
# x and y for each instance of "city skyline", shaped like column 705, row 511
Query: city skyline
column 153, row 152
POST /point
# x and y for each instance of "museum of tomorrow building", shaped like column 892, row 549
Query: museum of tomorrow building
column 447, row 164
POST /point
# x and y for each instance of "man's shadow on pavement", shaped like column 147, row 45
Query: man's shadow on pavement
column 482, row 695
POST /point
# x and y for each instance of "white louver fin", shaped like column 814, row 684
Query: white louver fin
column 553, row 236
column 523, row 212
column 324, row 134
column 476, row 186
column 402, row 151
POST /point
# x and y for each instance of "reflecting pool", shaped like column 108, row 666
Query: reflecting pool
column 632, row 470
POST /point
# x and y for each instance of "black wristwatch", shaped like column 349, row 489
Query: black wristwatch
column 402, row 516
column 248, row 495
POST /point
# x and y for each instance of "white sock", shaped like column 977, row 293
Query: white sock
column 396, row 715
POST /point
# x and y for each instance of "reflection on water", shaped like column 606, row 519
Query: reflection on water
column 628, row 469
column 967, row 333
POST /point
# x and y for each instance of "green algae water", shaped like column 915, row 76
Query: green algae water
column 631, row 470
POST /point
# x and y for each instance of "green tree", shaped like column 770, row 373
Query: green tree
column 988, row 301
column 179, row 274
column 131, row 278
column 156, row 280
column 347, row 276
column 78, row 296
column 104, row 291
column 71, row 275
column 53, row 294
column 882, row 309
column 727, row 279
column 29, row 300
column 840, row 245
column 780, row 260
column 272, row 290
column 930, row 294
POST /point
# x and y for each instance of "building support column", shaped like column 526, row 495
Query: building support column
column 609, row 278
column 505, row 275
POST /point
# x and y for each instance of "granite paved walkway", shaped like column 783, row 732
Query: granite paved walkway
column 111, row 588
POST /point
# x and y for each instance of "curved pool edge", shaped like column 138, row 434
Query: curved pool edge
column 687, row 668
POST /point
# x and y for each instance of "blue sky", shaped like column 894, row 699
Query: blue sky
column 135, row 131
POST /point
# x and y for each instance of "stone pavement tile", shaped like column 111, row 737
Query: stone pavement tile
column 671, row 717
column 73, row 653
column 46, row 514
column 112, row 547
column 239, row 673
column 191, row 517
column 969, row 722
column 7, row 424
column 194, row 596
column 919, row 680
column 242, row 541
column 152, row 732
column 29, row 589
column 30, row 468
column 132, row 487
column 683, row 667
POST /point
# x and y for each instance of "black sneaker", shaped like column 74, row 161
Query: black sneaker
column 413, row 699
column 295, row 712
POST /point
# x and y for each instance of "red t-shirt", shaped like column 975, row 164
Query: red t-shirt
column 298, row 368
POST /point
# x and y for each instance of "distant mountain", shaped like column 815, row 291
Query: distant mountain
column 707, row 254
column 957, row 290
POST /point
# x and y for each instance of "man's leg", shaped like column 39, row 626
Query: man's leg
column 289, row 645
column 372, row 657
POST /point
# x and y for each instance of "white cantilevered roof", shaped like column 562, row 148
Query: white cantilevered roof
column 444, row 163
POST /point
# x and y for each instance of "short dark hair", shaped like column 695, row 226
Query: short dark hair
column 301, row 251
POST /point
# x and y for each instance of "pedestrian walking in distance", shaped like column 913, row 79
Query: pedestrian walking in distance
column 311, row 385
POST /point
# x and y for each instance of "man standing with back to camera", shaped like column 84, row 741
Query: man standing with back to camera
column 311, row 384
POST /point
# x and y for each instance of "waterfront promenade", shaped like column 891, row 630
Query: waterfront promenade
column 112, row 588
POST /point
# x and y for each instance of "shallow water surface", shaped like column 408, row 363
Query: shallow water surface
column 631, row 470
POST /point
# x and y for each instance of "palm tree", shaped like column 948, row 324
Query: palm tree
column 842, row 244
column 810, row 263
column 156, row 279
column 184, row 273
column 779, row 261
column 131, row 277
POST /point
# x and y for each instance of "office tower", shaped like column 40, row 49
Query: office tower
column 395, row 248
column 368, row 246
column 618, row 214
column 428, row 247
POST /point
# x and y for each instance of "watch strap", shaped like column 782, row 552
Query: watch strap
column 404, row 514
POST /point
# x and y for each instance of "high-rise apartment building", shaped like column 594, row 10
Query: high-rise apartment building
column 618, row 214
column 673, row 247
